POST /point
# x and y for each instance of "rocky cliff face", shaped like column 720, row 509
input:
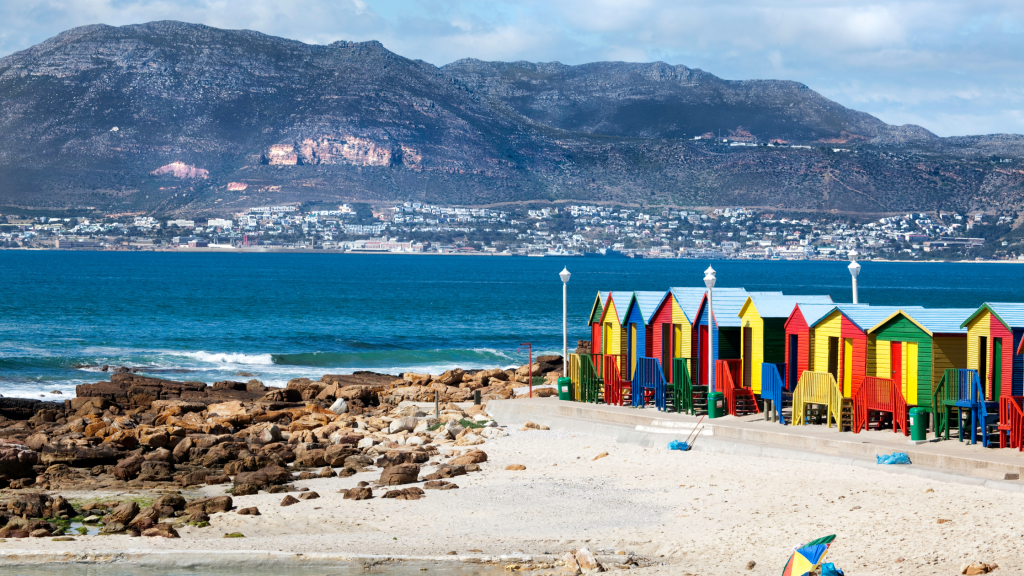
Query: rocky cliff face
column 103, row 115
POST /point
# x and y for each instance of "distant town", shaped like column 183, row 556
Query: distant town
column 569, row 230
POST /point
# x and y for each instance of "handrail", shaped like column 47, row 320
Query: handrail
column 682, row 387
column 772, row 385
column 817, row 388
column 575, row 369
column 727, row 375
column 590, row 381
column 1011, row 415
column 880, row 395
column 647, row 375
column 613, row 382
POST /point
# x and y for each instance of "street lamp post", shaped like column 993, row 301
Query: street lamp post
column 854, row 271
column 564, row 275
column 709, row 281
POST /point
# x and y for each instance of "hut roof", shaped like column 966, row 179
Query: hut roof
column 728, row 302
column 780, row 306
column 865, row 317
column 932, row 320
column 622, row 301
column 1011, row 314
column 647, row 302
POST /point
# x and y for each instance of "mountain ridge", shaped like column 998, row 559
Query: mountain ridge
column 92, row 115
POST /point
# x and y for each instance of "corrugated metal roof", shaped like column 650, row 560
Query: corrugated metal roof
column 622, row 301
column 726, row 307
column 938, row 320
column 812, row 313
column 694, row 296
column 866, row 317
column 1011, row 313
column 780, row 306
column 648, row 302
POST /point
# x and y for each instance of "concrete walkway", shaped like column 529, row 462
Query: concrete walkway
column 752, row 435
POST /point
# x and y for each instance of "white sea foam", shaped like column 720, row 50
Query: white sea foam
column 231, row 358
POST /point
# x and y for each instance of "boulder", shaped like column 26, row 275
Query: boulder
column 337, row 454
column 161, row 531
column 173, row 501
column 210, row 505
column 411, row 493
column 402, row 425
column 194, row 478
column 586, row 561
column 358, row 493
column 289, row 500
column 218, row 479
column 76, row 456
column 148, row 515
column 396, row 457
column 129, row 468
column 340, row 406
column 250, row 511
column 452, row 377
column 446, row 471
column 122, row 514
column 471, row 457
column 308, row 496
column 400, row 474
column 245, row 489
column 439, row 485
column 156, row 471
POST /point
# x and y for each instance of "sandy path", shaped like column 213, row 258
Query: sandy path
column 700, row 513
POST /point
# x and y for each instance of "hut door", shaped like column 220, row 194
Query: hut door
column 848, row 367
column 833, row 356
column 666, row 350
column 633, row 352
column 794, row 355
column 896, row 365
column 748, row 355
column 702, row 352
column 997, row 368
column 983, row 361
column 910, row 390
column 607, row 340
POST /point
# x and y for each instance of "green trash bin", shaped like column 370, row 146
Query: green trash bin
column 564, row 388
column 716, row 404
column 918, row 424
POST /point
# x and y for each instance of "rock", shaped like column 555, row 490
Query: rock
column 359, row 461
column 129, row 468
column 122, row 514
column 194, row 478
column 453, row 428
column 515, row 467
column 210, row 505
column 750, row 565
column 586, row 561
column 269, row 434
column 400, row 474
column 173, row 501
column 570, row 564
column 471, row 457
column 469, row 440
column 346, row 472
column 366, row 442
column 219, row 479
column 309, row 495
column 405, row 494
column 156, row 471
column 40, row 533
column 340, row 406
column 250, row 511
column 402, row 425
column 534, row 426
column 358, row 493
column 396, row 457
column 245, row 489
column 327, row 472
column 289, row 500
column 439, row 485
column 162, row 531
column 446, row 471
column 146, row 518
column 978, row 568
column 599, row 456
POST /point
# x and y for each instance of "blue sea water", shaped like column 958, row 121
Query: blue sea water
column 208, row 317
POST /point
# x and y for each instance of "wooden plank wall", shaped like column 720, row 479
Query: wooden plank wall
column 901, row 329
column 752, row 319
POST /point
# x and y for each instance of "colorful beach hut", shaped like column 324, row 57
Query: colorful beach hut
column 840, row 343
column 799, row 344
column 994, row 332
column 724, row 330
column 639, row 336
column 613, row 337
column 763, row 331
column 915, row 346
column 672, row 329
column 595, row 321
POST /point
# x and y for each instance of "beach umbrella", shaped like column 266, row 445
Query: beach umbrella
column 807, row 557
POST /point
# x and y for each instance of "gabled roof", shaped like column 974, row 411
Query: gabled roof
column 865, row 317
column 812, row 313
column 773, row 306
column 622, row 300
column 727, row 303
column 931, row 320
column 647, row 302
column 692, row 306
column 598, row 307
column 688, row 298
column 1011, row 314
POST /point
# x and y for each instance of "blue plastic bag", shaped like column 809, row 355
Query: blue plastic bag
column 894, row 458
column 829, row 569
column 677, row 445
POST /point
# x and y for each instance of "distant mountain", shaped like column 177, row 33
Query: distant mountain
column 180, row 118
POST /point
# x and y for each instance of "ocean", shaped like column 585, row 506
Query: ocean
column 216, row 316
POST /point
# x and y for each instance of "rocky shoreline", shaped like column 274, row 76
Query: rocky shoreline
column 162, row 437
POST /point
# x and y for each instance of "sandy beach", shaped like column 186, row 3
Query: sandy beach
column 696, row 513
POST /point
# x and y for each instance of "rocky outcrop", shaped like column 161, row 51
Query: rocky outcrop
column 181, row 170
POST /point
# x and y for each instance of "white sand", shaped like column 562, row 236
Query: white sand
column 700, row 513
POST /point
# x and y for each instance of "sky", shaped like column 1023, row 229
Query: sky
column 954, row 67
